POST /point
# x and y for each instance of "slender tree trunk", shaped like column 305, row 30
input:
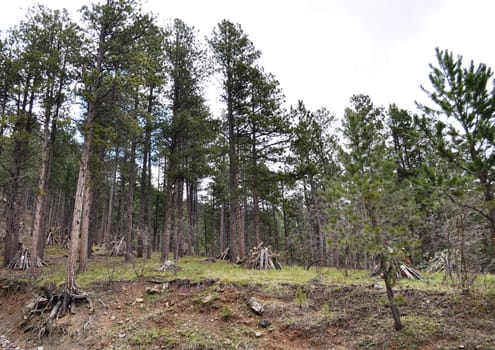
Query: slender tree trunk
column 491, row 219
column 190, row 212
column 108, row 223
column 179, row 222
column 151, row 239
column 239, row 222
column 144, row 215
column 82, row 181
column 41, row 195
column 169, row 218
column 256, row 212
column 288, row 248
column 393, row 305
column 84, row 236
column 221, row 232
column 130, row 201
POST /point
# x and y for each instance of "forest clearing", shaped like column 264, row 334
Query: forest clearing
column 203, row 305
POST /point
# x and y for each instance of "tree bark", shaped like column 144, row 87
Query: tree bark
column 41, row 195
column 169, row 217
column 82, row 181
column 130, row 201
column 84, row 235
column 191, row 218
column 179, row 221
column 109, row 223
column 221, row 230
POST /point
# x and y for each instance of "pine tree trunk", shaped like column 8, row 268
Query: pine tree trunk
column 84, row 233
column 41, row 195
column 239, row 221
column 130, row 201
column 191, row 217
column 256, row 212
column 221, row 232
column 393, row 306
column 108, row 224
column 179, row 221
column 82, row 181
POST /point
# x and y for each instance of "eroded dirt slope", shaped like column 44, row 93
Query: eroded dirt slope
column 180, row 314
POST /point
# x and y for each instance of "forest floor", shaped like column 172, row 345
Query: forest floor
column 204, row 306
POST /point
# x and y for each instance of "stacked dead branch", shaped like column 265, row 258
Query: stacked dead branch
column 402, row 271
column 118, row 248
column 442, row 261
column 22, row 260
column 261, row 258
column 42, row 312
column 50, row 239
column 225, row 255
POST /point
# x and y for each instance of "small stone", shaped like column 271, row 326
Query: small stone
column 462, row 346
column 264, row 323
column 257, row 334
column 153, row 290
column 139, row 300
column 112, row 318
column 121, row 335
column 208, row 299
column 227, row 341
column 255, row 306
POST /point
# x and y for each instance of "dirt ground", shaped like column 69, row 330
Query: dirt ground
column 180, row 314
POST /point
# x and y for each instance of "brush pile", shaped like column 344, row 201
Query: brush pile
column 118, row 248
column 402, row 271
column 225, row 255
column 261, row 258
column 22, row 260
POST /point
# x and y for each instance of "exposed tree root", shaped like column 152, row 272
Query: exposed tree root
column 41, row 314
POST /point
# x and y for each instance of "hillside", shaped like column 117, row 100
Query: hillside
column 204, row 306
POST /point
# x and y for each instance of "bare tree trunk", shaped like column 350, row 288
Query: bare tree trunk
column 191, row 218
column 221, row 233
column 256, row 211
column 147, row 200
column 41, row 195
column 238, row 219
column 393, row 305
column 82, row 181
column 130, row 201
column 179, row 221
column 108, row 224
column 145, row 213
column 275, row 231
column 84, row 236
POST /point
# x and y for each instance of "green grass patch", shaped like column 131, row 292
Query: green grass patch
column 417, row 332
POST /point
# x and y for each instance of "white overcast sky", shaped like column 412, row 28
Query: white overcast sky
column 324, row 51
